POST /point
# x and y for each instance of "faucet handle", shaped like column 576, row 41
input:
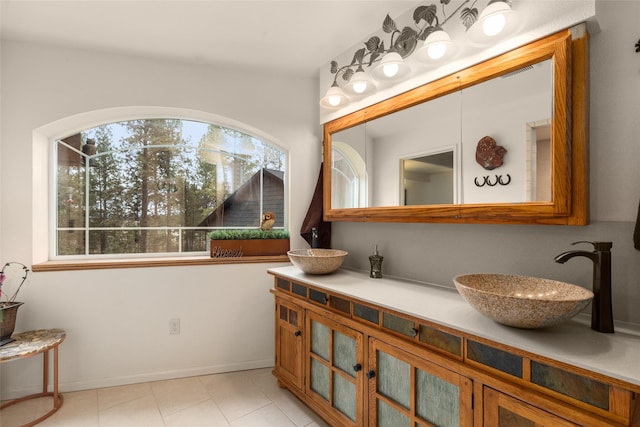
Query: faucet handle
column 597, row 246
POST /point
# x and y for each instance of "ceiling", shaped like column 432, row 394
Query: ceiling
column 293, row 37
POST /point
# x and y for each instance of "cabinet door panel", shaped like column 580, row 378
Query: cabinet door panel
column 335, row 356
column 412, row 391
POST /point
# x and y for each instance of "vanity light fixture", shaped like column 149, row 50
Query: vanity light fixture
column 496, row 21
column 334, row 98
column 387, row 61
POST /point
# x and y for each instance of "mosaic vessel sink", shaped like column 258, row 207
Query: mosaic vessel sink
column 521, row 301
column 317, row 261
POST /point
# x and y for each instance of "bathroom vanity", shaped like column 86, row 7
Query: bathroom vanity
column 390, row 352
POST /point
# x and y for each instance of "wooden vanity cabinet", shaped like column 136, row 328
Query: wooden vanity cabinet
column 358, row 364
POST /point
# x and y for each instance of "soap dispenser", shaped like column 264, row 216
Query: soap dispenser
column 376, row 264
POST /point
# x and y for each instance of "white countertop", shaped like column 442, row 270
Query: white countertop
column 614, row 355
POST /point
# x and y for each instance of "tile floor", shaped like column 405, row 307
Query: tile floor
column 236, row 399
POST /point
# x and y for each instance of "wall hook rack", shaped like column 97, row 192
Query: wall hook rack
column 486, row 180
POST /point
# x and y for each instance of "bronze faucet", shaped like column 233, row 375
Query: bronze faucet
column 601, row 308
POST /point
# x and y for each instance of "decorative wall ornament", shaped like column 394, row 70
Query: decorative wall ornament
column 638, row 46
column 489, row 155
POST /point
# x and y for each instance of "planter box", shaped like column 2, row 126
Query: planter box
column 251, row 247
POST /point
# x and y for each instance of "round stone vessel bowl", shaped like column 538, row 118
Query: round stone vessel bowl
column 317, row 261
column 522, row 301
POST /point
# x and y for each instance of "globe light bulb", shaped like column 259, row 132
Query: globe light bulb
column 437, row 50
column 390, row 70
column 359, row 87
column 494, row 25
column 334, row 100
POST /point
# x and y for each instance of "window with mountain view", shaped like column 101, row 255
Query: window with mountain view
column 158, row 186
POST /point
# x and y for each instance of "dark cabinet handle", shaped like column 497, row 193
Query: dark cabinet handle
column 297, row 333
column 414, row 332
column 357, row 367
column 371, row 374
column 325, row 300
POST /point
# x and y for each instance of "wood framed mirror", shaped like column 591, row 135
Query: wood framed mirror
column 381, row 162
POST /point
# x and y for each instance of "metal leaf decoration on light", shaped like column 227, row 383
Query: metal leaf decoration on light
column 389, row 25
column 469, row 16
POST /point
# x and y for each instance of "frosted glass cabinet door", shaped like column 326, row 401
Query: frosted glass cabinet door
column 501, row 410
column 334, row 361
column 411, row 391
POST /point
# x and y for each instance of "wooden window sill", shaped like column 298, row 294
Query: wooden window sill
column 150, row 262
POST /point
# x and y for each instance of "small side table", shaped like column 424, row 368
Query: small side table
column 32, row 343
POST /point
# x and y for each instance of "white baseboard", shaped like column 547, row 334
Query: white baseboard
column 69, row 386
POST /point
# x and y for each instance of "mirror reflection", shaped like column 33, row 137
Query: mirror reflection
column 426, row 154
column 428, row 179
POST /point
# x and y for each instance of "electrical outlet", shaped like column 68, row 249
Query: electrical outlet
column 174, row 326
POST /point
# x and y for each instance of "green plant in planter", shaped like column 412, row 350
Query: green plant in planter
column 248, row 234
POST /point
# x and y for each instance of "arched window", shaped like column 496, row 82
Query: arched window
column 158, row 186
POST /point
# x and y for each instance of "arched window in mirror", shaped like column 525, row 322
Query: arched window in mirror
column 349, row 175
column 158, row 186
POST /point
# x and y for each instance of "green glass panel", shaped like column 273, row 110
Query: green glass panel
column 344, row 353
column 320, row 379
column 437, row 401
column 391, row 417
column 394, row 379
column 507, row 418
column 320, row 344
column 344, row 396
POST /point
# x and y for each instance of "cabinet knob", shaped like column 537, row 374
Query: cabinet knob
column 357, row 367
column 371, row 374
column 414, row 332
column 297, row 333
column 325, row 300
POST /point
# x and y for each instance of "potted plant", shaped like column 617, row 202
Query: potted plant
column 8, row 305
column 248, row 242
